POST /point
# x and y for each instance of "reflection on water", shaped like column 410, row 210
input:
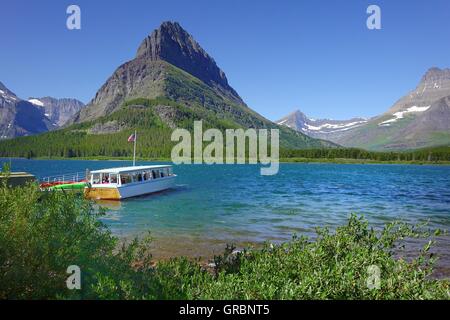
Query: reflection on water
column 214, row 205
column 111, row 205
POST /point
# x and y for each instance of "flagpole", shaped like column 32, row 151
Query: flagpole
column 134, row 151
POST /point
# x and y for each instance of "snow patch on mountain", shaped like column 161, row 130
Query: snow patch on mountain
column 36, row 102
column 300, row 122
column 341, row 126
column 400, row 114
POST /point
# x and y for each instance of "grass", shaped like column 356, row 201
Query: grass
column 41, row 234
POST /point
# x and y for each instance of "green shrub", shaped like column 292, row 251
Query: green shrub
column 333, row 266
column 41, row 234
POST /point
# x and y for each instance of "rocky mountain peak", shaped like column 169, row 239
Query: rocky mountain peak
column 5, row 91
column 171, row 43
column 298, row 115
column 434, row 85
column 435, row 80
column 295, row 120
column 169, row 35
column 7, row 96
column 436, row 74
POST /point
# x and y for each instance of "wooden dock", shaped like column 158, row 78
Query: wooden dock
column 15, row 179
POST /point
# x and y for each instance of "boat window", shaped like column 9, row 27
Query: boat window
column 125, row 178
column 113, row 178
column 96, row 178
column 163, row 173
column 155, row 174
column 148, row 175
column 137, row 177
column 105, row 178
column 170, row 171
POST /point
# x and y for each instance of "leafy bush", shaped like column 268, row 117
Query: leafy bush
column 334, row 266
column 41, row 234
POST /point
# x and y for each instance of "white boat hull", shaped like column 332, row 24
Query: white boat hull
column 141, row 188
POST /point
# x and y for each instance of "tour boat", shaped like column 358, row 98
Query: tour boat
column 114, row 183
column 127, row 182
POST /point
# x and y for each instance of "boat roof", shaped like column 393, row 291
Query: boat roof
column 16, row 174
column 130, row 169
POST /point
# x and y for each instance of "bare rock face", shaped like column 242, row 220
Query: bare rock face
column 167, row 114
column 133, row 79
column 434, row 85
column 435, row 119
column 106, row 128
column 19, row 117
column 59, row 111
column 171, row 43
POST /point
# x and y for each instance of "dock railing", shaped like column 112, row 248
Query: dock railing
column 66, row 177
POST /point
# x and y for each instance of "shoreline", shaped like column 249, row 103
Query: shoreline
column 203, row 251
column 282, row 160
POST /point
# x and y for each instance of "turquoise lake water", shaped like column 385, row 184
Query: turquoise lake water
column 214, row 205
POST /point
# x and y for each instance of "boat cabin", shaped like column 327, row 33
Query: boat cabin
column 126, row 175
column 125, row 182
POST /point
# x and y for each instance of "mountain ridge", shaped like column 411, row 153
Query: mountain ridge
column 416, row 120
column 318, row 128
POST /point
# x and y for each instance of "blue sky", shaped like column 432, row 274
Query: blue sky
column 317, row 56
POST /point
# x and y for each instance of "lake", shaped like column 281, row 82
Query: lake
column 214, row 205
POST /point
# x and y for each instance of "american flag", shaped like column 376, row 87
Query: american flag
column 132, row 138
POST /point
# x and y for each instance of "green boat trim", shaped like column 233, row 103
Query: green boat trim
column 69, row 186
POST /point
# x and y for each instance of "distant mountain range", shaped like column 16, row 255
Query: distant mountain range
column 318, row 127
column 20, row 117
column 419, row 119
